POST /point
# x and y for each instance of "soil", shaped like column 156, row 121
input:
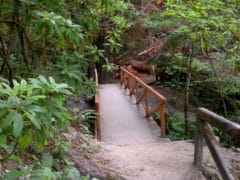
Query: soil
column 139, row 161
column 160, row 161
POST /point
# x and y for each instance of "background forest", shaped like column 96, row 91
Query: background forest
column 49, row 49
column 200, row 54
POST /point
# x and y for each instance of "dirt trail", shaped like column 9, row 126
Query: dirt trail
column 170, row 160
column 155, row 161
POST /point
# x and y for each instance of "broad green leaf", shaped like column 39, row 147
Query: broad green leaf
column 40, row 139
column 9, row 119
column 16, row 87
column 72, row 173
column 10, row 147
column 13, row 174
column 34, row 108
column 43, row 79
column 47, row 160
column 15, row 100
column 3, row 140
column 29, row 91
column 44, row 174
column 5, row 104
column 52, row 81
column 25, row 140
column 35, row 121
column 17, row 125
column 3, row 112
column 36, row 97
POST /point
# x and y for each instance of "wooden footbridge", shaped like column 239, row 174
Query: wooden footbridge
column 124, row 119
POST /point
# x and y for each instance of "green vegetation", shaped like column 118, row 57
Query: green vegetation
column 33, row 115
column 201, row 53
column 175, row 128
column 48, row 50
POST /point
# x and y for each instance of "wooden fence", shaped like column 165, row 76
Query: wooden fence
column 141, row 91
column 205, row 120
column 97, row 123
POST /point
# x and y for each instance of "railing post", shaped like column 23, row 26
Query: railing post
column 162, row 119
column 130, row 85
column 121, row 76
column 137, row 90
column 97, row 122
column 98, row 129
column 198, row 152
column 129, row 82
column 134, row 84
column 125, row 81
column 146, row 103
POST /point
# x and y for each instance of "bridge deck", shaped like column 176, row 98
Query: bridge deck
column 122, row 121
column 133, row 145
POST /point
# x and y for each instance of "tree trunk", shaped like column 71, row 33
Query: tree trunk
column 189, row 51
column 186, row 104
column 21, row 35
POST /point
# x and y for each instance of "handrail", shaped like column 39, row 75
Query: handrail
column 133, row 84
column 96, row 100
column 205, row 118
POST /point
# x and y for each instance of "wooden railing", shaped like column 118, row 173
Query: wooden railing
column 97, row 123
column 141, row 91
column 206, row 119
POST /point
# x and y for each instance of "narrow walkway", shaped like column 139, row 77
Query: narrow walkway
column 132, row 147
column 122, row 121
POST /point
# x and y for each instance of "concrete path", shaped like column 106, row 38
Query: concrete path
column 132, row 147
column 122, row 121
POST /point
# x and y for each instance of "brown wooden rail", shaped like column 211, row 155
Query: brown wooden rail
column 141, row 91
column 206, row 119
column 97, row 123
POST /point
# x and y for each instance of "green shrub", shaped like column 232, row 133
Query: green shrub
column 31, row 112
column 175, row 128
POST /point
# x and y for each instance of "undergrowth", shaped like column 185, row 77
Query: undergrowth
column 175, row 128
column 34, row 117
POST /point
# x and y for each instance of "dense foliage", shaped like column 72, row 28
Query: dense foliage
column 201, row 53
column 44, row 37
column 48, row 50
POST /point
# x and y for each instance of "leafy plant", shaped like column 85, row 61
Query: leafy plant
column 28, row 112
column 86, row 119
column 175, row 128
column 43, row 170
